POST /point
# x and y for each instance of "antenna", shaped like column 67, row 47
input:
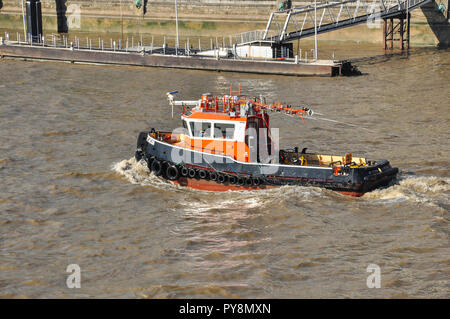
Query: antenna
column 171, row 98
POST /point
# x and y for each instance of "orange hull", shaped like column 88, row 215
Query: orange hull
column 354, row 194
column 212, row 186
column 205, row 185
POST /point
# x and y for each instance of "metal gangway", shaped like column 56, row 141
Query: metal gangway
column 325, row 16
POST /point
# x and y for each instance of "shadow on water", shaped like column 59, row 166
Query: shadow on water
column 390, row 55
column 438, row 23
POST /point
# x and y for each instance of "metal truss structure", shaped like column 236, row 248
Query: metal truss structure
column 325, row 16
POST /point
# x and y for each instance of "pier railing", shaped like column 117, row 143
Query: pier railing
column 218, row 48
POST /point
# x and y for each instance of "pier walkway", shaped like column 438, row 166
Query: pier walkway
column 299, row 22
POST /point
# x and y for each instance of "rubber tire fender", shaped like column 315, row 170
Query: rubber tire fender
column 241, row 181
column 156, row 167
column 184, row 171
column 172, row 172
column 202, row 174
column 256, row 181
column 192, row 172
column 232, row 179
column 221, row 178
column 213, row 176
column 138, row 156
column 248, row 182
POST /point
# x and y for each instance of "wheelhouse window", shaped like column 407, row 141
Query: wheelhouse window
column 224, row 130
column 200, row 129
column 185, row 126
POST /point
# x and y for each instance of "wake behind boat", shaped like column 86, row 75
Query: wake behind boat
column 225, row 143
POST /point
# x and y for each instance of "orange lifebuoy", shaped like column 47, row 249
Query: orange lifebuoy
column 336, row 170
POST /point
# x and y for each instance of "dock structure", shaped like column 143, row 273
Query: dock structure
column 165, row 57
column 292, row 24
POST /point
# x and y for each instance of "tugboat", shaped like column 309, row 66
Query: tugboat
column 225, row 143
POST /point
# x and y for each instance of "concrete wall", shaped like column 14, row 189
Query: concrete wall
column 209, row 18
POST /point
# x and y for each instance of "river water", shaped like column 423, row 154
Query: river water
column 71, row 193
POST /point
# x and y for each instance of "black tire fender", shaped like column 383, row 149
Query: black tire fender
column 184, row 171
column 192, row 172
column 256, row 181
column 221, row 178
column 172, row 172
column 138, row 156
column 202, row 174
column 213, row 176
column 156, row 167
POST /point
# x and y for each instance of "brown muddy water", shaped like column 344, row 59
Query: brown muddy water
column 71, row 193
